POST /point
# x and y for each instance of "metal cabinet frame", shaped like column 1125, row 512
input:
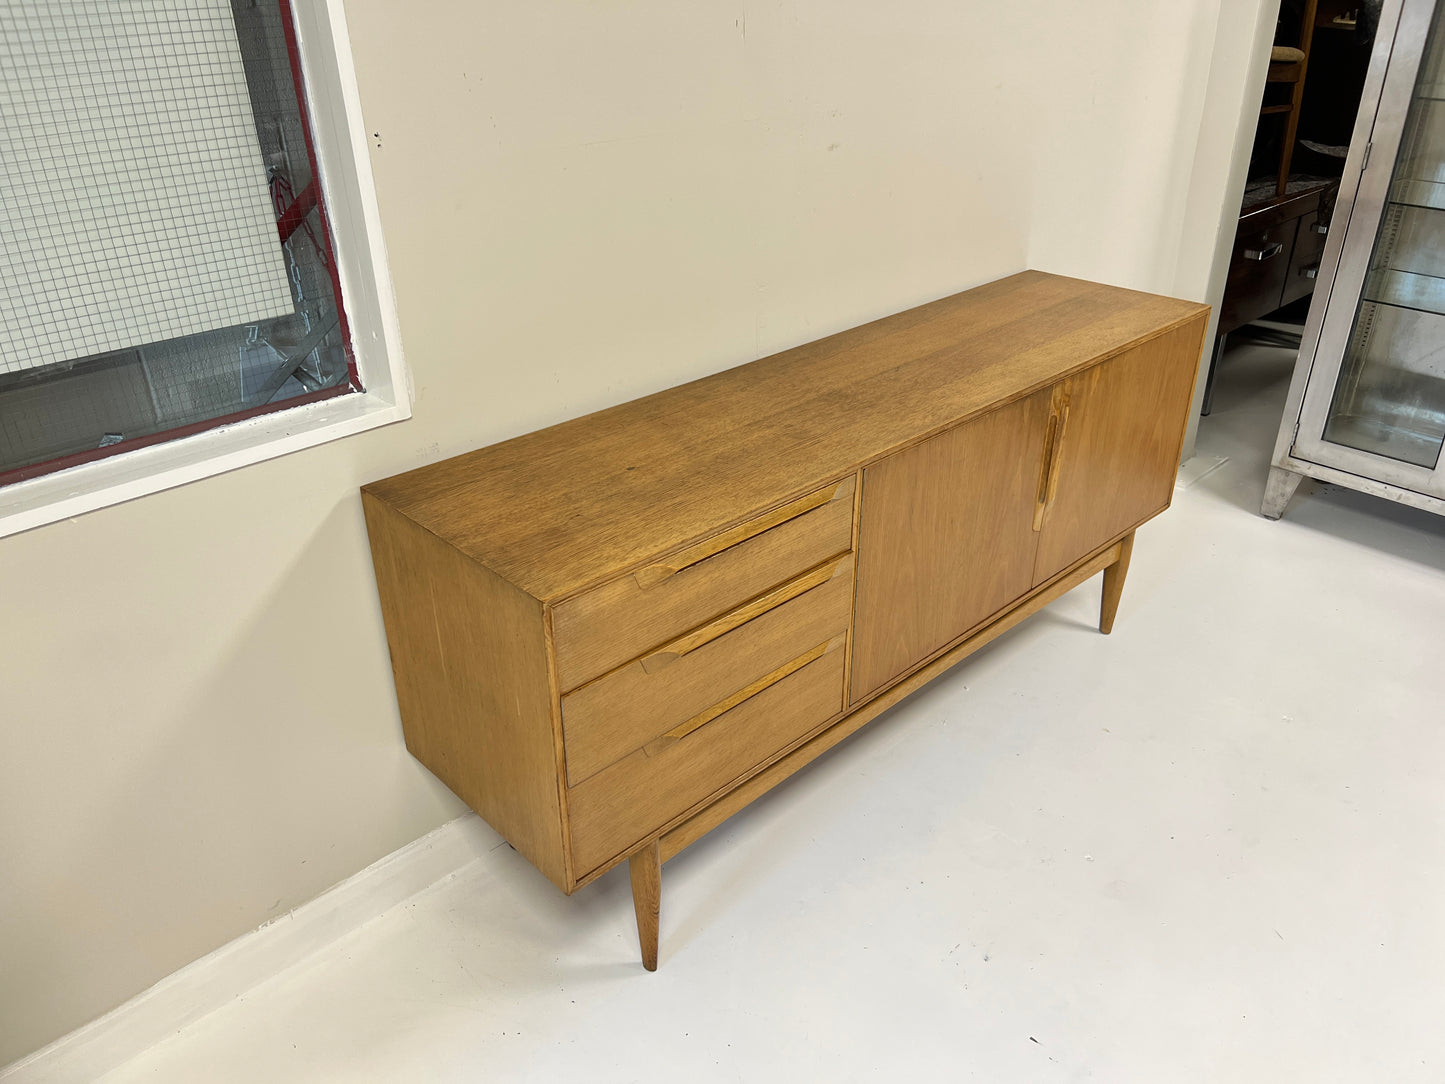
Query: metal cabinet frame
column 1300, row 449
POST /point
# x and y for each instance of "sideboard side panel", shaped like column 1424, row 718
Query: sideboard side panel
column 469, row 654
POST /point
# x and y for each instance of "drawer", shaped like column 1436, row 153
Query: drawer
column 639, row 794
column 620, row 620
column 1304, row 264
column 686, row 682
column 1257, row 272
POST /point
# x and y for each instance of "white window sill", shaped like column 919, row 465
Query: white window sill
column 71, row 492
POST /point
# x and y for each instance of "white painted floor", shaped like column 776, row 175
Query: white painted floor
column 1210, row 847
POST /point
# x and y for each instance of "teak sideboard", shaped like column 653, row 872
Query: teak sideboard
column 611, row 634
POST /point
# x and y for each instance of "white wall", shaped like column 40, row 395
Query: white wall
column 1242, row 37
column 583, row 202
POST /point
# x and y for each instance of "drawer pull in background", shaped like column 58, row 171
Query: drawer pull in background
column 1267, row 253
column 652, row 575
column 669, row 654
column 702, row 718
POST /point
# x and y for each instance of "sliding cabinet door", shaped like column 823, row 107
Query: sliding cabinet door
column 946, row 538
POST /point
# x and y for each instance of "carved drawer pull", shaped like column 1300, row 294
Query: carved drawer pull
column 654, row 574
column 702, row 718
column 670, row 653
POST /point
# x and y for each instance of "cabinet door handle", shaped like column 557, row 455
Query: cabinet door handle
column 1053, row 450
column 1310, row 272
column 1321, row 227
column 1041, row 497
column 1267, row 253
column 1058, row 455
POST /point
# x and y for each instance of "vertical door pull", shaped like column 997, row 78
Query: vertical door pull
column 1053, row 451
column 1041, row 497
column 1058, row 453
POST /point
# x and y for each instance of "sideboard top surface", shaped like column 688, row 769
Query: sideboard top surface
column 559, row 509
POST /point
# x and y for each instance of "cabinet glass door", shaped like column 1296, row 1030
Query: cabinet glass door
column 1388, row 397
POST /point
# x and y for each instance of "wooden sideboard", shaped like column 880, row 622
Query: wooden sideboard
column 610, row 635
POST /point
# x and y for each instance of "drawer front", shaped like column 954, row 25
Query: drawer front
column 639, row 794
column 1257, row 272
column 620, row 620
column 686, row 682
column 1304, row 264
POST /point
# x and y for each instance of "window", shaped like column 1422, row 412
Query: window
column 187, row 252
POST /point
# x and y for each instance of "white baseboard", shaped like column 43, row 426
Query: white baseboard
column 237, row 967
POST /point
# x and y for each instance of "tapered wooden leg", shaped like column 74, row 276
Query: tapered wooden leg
column 1114, row 584
column 646, row 869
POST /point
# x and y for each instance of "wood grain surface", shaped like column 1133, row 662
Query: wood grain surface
column 469, row 655
column 640, row 794
column 645, row 870
column 562, row 509
column 946, row 538
column 1114, row 577
column 1119, row 449
column 608, row 718
column 621, row 619
column 610, row 634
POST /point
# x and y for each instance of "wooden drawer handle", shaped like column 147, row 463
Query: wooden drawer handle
column 671, row 652
column 702, row 718
column 654, row 574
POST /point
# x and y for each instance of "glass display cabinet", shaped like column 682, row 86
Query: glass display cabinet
column 1366, row 407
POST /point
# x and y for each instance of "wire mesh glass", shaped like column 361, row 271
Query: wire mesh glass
column 246, row 355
